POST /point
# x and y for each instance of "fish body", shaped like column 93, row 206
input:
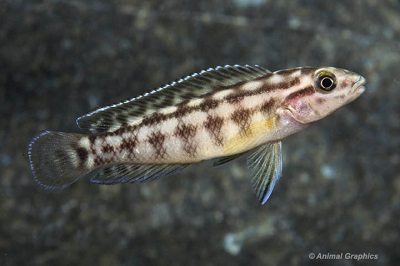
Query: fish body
column 218, row 113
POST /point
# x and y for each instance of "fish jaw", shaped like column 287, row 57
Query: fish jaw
column 357, row 89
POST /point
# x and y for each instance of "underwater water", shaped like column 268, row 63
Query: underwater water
column 337, row 202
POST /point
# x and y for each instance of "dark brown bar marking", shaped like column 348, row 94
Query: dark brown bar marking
column 154, row 119
column 266, row 107
column 234, row 98
column 129, row 143
column 209, row 104
column 269, row 87
column 303, row 92
column 241, row 117
column 213, row 124
column 186, row 133
column 107, row 149
column 156, row 139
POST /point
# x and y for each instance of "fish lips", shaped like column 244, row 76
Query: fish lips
column 357, row 89
column 358, row 86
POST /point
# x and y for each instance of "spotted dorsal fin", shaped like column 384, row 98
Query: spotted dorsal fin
column 109, row 118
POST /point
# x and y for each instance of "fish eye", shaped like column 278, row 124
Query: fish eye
column 326, row 81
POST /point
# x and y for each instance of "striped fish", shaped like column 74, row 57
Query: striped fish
column 219, row 113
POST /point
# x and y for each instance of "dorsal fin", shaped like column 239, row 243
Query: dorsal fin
column 109, row 118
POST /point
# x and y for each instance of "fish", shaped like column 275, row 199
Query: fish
column 218, row 114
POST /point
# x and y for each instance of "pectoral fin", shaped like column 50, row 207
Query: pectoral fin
column 265, row 168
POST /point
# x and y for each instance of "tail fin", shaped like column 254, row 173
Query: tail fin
column 55, row 160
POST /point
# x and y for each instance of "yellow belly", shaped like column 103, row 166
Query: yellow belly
column 256, row 134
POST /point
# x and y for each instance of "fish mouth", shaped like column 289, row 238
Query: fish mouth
column 357, row 89
column 358, row 86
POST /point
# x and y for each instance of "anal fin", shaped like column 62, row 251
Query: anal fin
column 126, row 173
column 265, row 168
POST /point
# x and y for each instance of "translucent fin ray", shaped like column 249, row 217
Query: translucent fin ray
column 226, row 159
column 54, row 160
column 265, row 168
column 126, row 173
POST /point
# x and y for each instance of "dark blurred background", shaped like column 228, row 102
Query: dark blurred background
column 340, row 189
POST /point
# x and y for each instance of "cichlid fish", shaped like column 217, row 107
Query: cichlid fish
column 221, row 113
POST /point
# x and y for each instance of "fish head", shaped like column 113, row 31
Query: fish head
column 324, row 90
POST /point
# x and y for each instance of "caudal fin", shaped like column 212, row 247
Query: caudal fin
column 55, row 160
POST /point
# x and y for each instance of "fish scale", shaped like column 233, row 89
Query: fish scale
column 220, row 113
